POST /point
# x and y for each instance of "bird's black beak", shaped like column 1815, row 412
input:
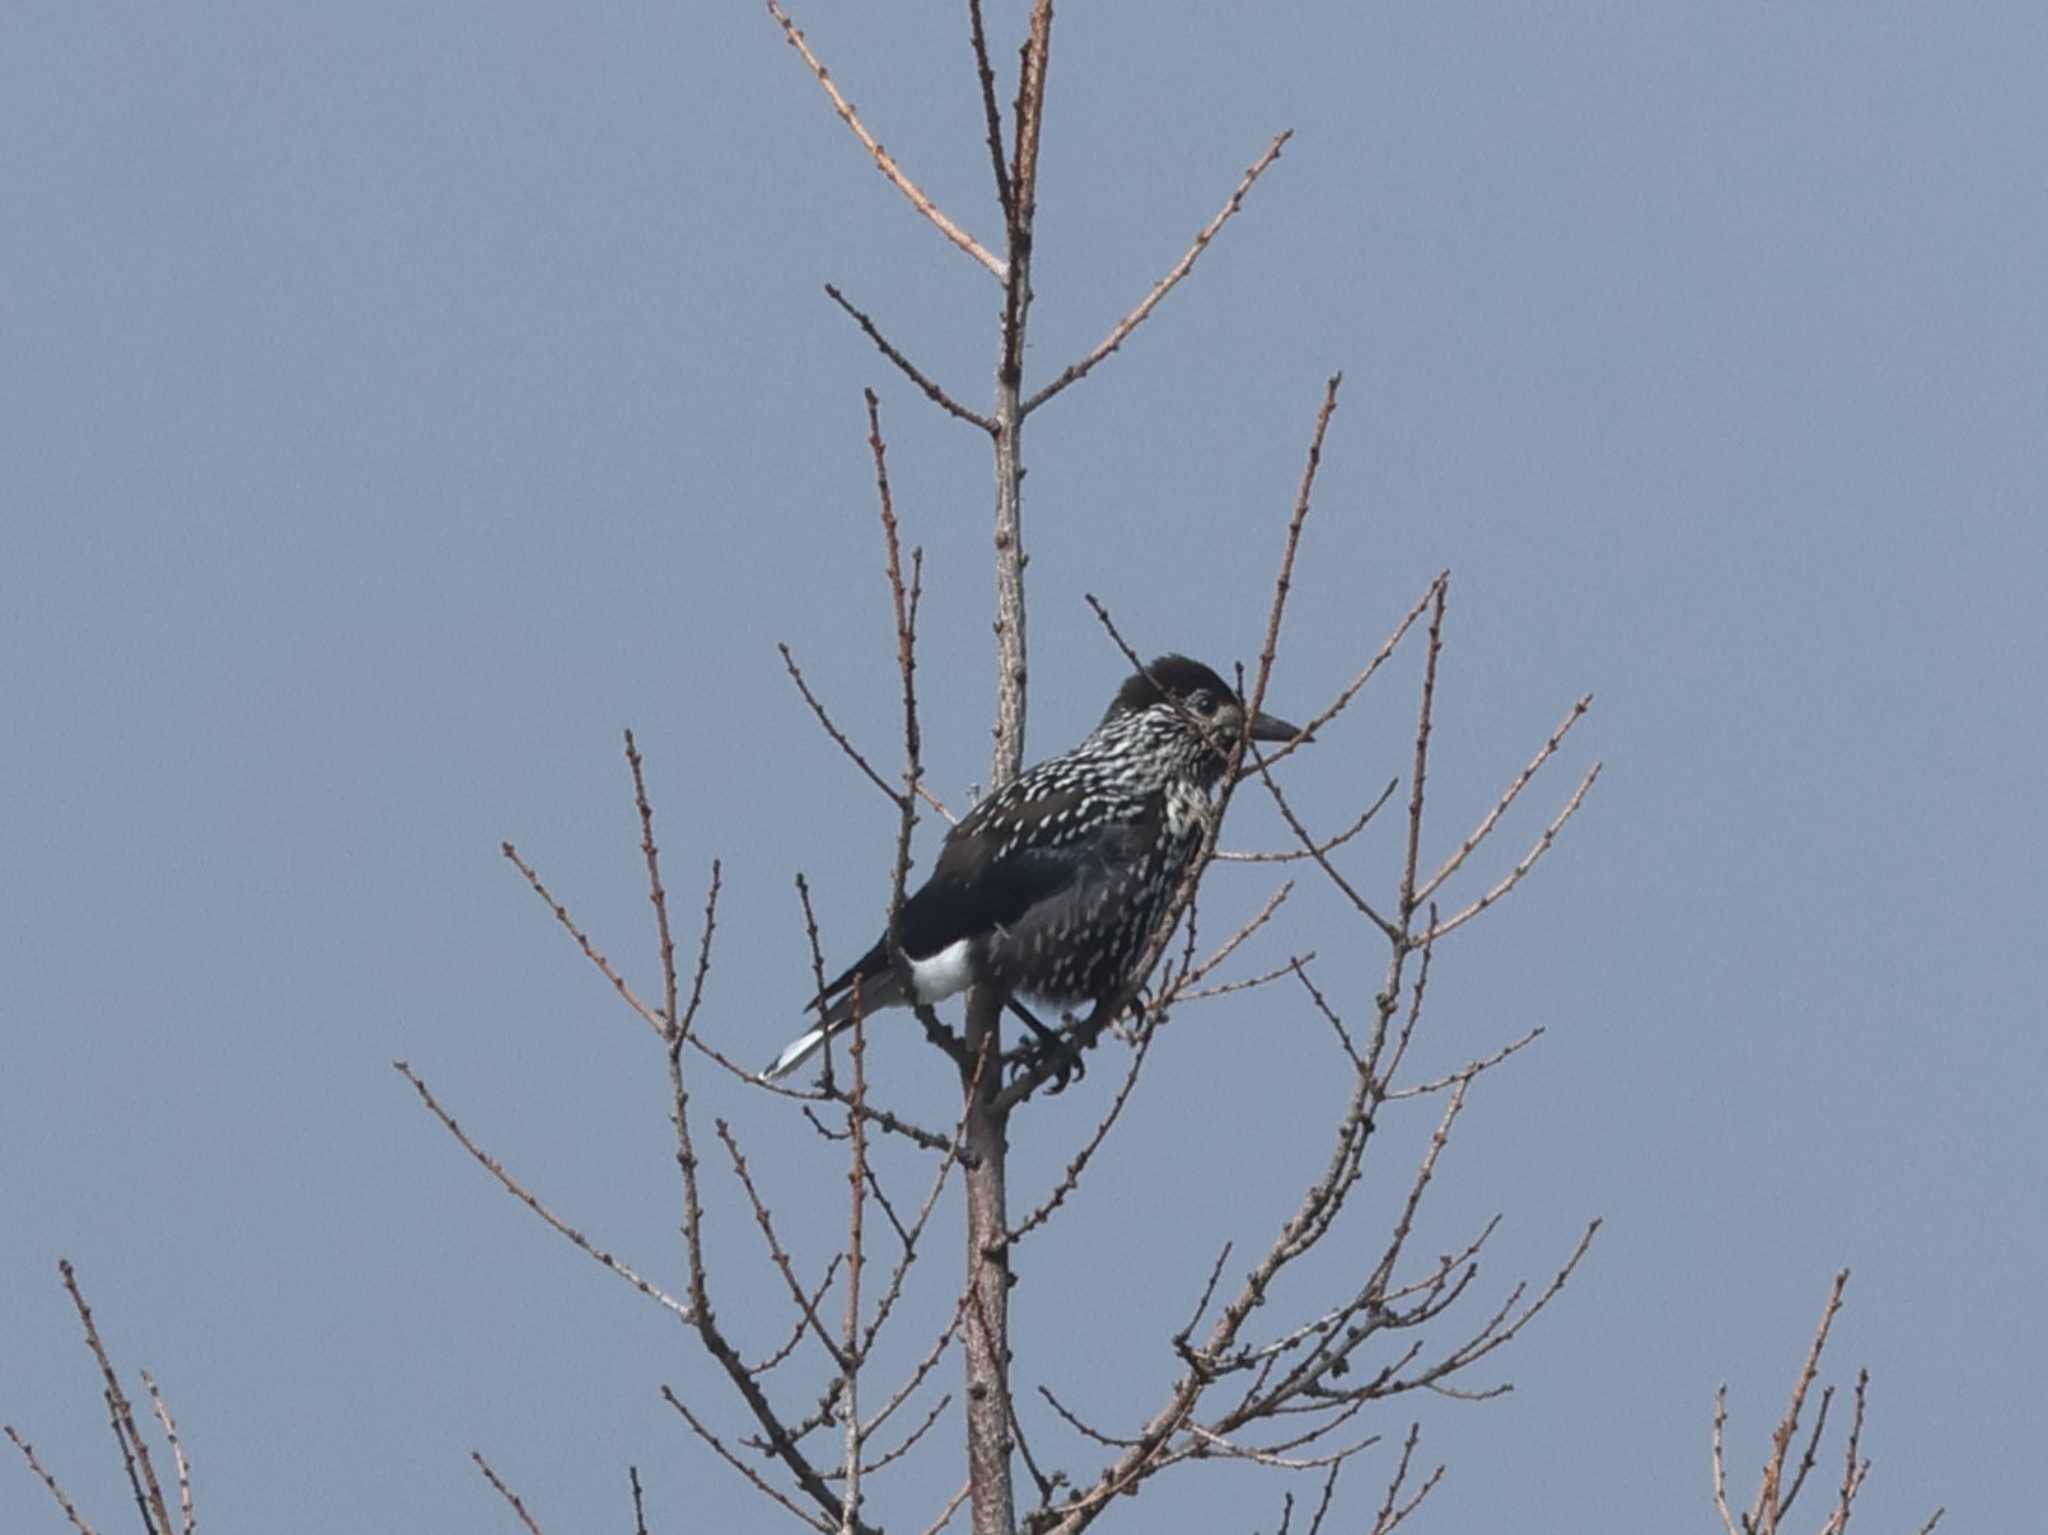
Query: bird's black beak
column 1267, row 727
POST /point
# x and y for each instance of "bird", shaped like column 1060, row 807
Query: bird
column 1052, row 887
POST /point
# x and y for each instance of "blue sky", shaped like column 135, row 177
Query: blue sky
column 399, row 402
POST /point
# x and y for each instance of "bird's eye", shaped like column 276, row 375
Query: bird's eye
column 1202, row 701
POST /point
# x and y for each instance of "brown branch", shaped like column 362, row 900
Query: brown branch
column 1319, row 852
column 1514, row 877
column 856, row 1130
column 506, row 1493
column 1121, row 332
column 163, row 1416
column 1767, row 1502
column 952, row 1507
column 761, row 1484
column 910, row 370
column 883, row 161
column 1486, row 824
column 1284, row 581
column 1809, row 1459
column 838, row 736
column 924, row 1367
column 639, row 1509
column 781, row 1443
column 1721, row 1462
column 1352, row 688
column 776, row 1253
column 1420, row 776
column 1249, row 983
column 803, row 1319
column 1853, row 1469
column 520, row 1192
column 991, row 114
column 1318, row 849
column 1071, row 1178
column 56, row 1491
column 1329, row 1013
column 590, row 950
column 1392, row 1513
column 148, row 1491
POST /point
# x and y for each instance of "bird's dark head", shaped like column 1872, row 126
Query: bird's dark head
column 1191, row 692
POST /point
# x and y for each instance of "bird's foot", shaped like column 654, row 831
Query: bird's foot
column 1054, row 1060
column 1050, row 1054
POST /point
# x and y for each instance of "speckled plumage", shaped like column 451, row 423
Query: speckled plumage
column 1056, row 883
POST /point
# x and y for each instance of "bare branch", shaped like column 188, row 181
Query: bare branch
column 838, row 736
column 910, row 370
column 590, row 951
column 1392, row 1512
column 1420, row 776
column 1283, row 583
column 761, row 1484
column 1318, row 849
column 1721, row 1462
column 63, row 1501
column 1121, row 332
column 1079, row 1164
column 1767, row 1503
column 952, row 1507
column 1191, row 973
column 1352, row 688
column 883, row 161
column 520, row 1192
column 1486, row 824
column 850, row 1351
column 163, row 1416
column 1514, row 877
column 149, row 1492
column 506, row 1493
column 991, row 114
column 781, row 1259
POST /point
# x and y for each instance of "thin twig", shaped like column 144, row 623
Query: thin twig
column 520, row 1192
column 1352, row 688
column 1071, row 1178
column 761, row 1484
column 590, row 950
column 1721, row 1461
column 1121, row 332
column 838, row 736
column 1283, row 583
column 1486, row 824
column 953, row 1507
column 1420, row 776
column 163, row 1416
column 506, row 1493
column 1767, row 1501
column 883, row 161
column 1515, row 875
column 149, row 1491
column 56, row 1491
column 1318, row 849
column 991, row 114
column 910, row 370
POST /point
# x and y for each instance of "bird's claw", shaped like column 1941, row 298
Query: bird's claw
column 1052, row 1057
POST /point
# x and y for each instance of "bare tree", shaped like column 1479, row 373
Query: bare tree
column 1293, row 1395
column 1776, row 1493
column 1311, row 1392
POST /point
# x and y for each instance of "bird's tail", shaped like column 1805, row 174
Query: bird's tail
column 876, row 993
